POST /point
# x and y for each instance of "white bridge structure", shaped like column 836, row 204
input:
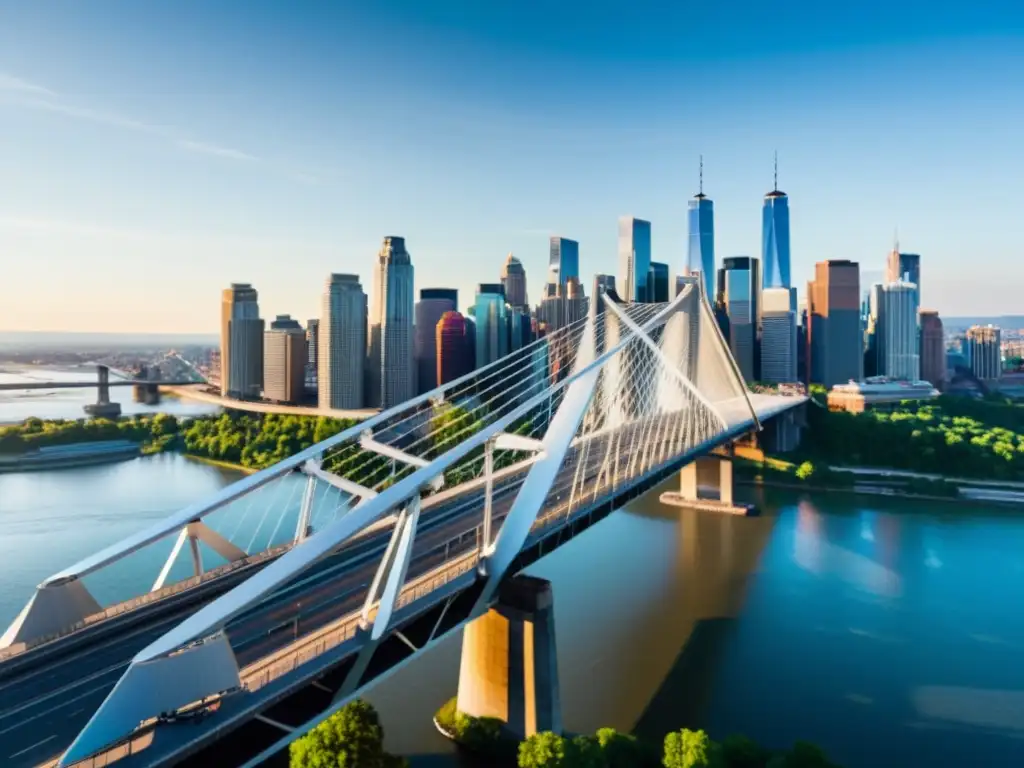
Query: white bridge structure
column 340, row 563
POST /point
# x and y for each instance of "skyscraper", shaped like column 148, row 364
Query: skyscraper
column 453, row 348
column 392, row 371
column 739, row 289
column 897, row 332
column 564, row 261
column 834, row 340
column 603, row 283
column 634, row 258
column 933, row 348
column 904, row 267
column 491, row 316
column 778, row 336
column 657, row 282
column 241, row 343
column 513, row 278
column 284, row 361
column 982, row 346
column 775, row 236
column 700, row 218
column 567, row 305
column 433, row 303
column 342, row 338
column 312, row 344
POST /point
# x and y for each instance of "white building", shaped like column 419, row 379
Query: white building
column 778, row 336
column 898, row 355
column 341, row 335
column 241, row 343
column 392, row 372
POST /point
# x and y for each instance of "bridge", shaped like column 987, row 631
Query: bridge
column 384, row 539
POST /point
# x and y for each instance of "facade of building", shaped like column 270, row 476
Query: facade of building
column 284, row 361
column 568, row 305
column 700, row 254
column 392, row 373
column 933, row 348
column 834, row 338
column 738, row 298
column 490, row 313
column 982, row 347
column 778, row 336
column 602, row 284
column 775, row 238
column 241, row 343
column 657, row 282
column 341, row 356
column 430, row 308
column 312, row 344
column 877, row 393
column 897, row 334
column 453, row 345
column 634, row 258
column 903, row 267
column 513, row 278
column 563, row 261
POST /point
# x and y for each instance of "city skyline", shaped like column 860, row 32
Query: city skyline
column 277, row 172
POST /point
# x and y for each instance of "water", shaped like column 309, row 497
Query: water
column 887, row 631
column 18, row 405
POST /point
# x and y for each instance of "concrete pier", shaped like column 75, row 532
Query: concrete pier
column 707, row 483
column 509, row 667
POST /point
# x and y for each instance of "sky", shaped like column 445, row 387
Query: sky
column 153, row 153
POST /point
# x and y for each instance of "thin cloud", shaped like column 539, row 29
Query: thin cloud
column 12, row 83
column 213, row 149
column 95, row 116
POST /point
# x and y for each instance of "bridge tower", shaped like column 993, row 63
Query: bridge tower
column 103, row 407
column 707, row 483
column 509, row 668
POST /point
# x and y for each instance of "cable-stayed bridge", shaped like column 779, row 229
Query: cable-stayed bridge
column 306, row 581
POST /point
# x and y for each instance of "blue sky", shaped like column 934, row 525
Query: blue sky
column 151, row 153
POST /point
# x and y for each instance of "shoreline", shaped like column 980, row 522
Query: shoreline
column 217, row 462
column 866, row 492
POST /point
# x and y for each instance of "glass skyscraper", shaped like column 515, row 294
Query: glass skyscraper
column 775, row 237
column 739, row 297
column 657, row 282
column 634, row 258
column 491, row 315
column 700, row 258
column 564, row 263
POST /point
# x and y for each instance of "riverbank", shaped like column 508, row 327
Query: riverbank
column 219, row 463
column 71, row 456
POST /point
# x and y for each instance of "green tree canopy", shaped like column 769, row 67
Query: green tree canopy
column 544, row 750
column 350, row 738
column 690, row 749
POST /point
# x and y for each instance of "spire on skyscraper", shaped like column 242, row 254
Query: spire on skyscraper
column 775, row 181
column 700, row 189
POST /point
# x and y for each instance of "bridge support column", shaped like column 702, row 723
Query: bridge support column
column 711, row 474
column 509, row 667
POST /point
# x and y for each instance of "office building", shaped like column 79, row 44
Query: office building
column 490, row 314
column 392, row 373
column 657, row 282
column 903, row 267
column 775, row 236
column 433, row 303
column 566, row 306
column 513, row 279
column 634, row 258
column 453, row 345
column 312, row 344
column 739, row 289
column 602, row 284
column 897, row 334
column 563, row 261
column 341, row 356
column 933, row 348
column 834, row 339
column 872, row 307
column 982, row 347
column 778, row 336
column 284, row 361
column 877, row 393
column 700, row 256
column 241, row 343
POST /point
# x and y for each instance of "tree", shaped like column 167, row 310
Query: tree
column 543, row 750
column 621, row 750
column 804, row 471
column 350, row 738
column 690, row 749
column 585, row 752
column 740, row 752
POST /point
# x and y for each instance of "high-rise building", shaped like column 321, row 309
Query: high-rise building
column 312, row 343
column 490, row 314
column 739, row 293
column 241, row 343
column 897, row 332
column 870, row 314
column 657, row 282
column 433, row 303
column 284, row 361
column 453, row 347
column 513, row 278
column 903, row 267
column 341, row 355
column 634, row 258
column 775, row 236
column 392, row 370
column 566, row 306
column 834, row 339
column 983, row 348
column 778, row 336
column 564, row 261
column 603, row 283
column 700, row 217
column 933, row 348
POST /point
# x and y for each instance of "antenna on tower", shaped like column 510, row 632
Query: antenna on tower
column 896, row 240
column 701, row 190
column 775, row 182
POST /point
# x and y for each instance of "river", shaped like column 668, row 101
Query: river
column 18, row 405
column 888, row 631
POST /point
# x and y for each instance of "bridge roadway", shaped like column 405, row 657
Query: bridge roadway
column 20, row 385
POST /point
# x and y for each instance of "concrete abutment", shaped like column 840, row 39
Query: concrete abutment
column 706, row 483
